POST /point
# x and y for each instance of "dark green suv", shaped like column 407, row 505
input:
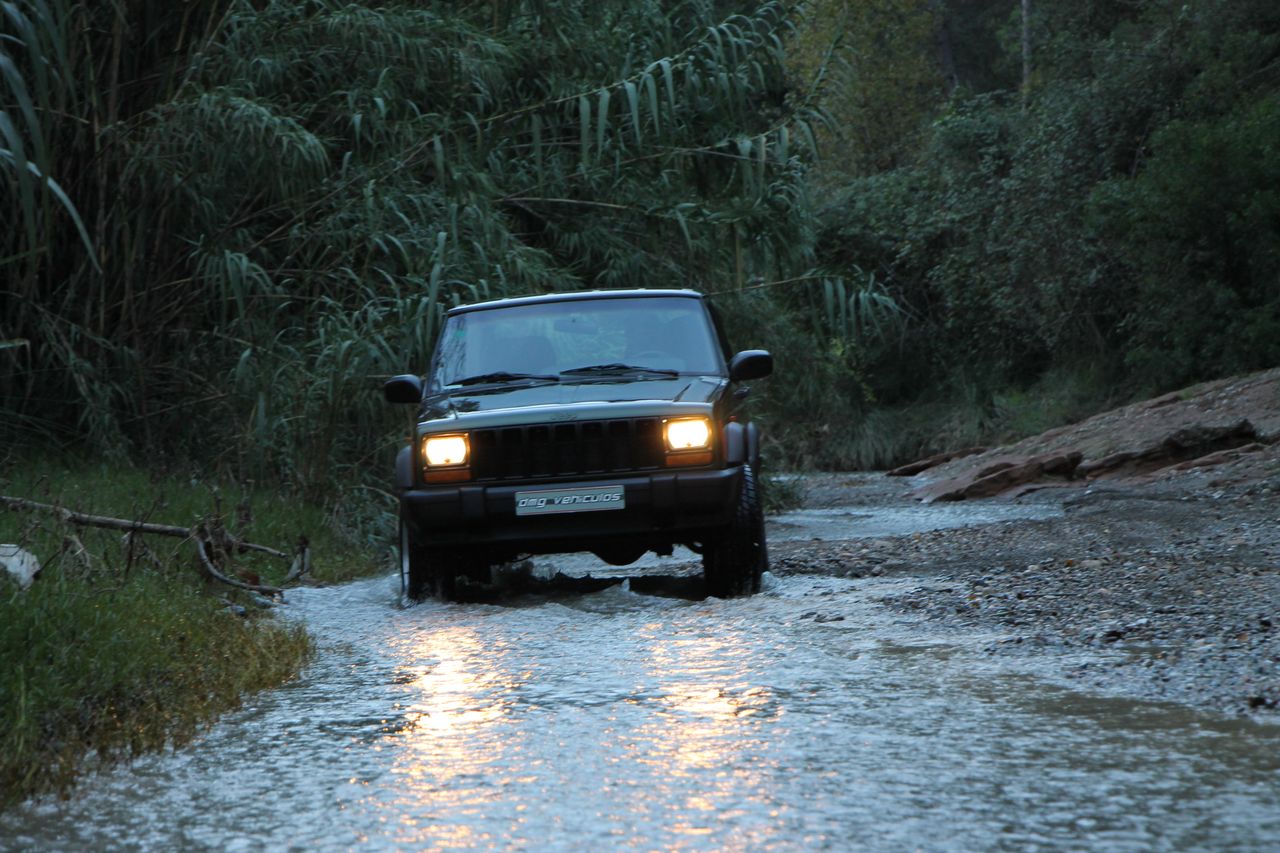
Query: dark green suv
column 601, row 421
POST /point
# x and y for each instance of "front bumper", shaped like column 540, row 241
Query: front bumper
column 660, row 507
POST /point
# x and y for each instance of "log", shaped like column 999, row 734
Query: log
column 1001, row 476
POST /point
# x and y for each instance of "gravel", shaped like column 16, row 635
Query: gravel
column 1181, row 578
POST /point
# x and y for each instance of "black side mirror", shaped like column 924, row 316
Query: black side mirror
column 750, row 364
column 405, row 388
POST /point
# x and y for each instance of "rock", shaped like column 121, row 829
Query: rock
column 1111, row 462
column 1001, row 476
column 1221, row 457
column 913, row 468
column 1194, row 445
column 1205, row 419
column 21, row 565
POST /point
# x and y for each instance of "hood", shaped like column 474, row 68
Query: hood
column 576, row 400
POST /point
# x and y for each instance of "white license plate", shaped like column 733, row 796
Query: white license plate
column 593, row 499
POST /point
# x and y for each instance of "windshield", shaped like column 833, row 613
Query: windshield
column 583, row 338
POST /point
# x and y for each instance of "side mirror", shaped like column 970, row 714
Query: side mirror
column 405, row 388
column 750, row 364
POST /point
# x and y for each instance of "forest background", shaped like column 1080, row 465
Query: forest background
column 951, row 220
column 225, row 222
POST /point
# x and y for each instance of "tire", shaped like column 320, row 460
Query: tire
column 415, row 573
column 427, row 571
column 734, row 561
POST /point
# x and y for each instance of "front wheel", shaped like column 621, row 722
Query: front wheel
column 734, row 561
column 433, row 571
column 415, row 571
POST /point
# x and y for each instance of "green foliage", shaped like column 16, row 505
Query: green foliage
column 1120, row 223
column 282, row 197
column 819, row 330
column 1202, row 223
column 872, row 65
column 232, row 221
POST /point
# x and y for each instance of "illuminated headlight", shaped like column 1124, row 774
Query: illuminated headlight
column 442, row 451
column 688, row 434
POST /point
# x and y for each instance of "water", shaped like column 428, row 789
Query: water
column 850, row 522
column 804, row 717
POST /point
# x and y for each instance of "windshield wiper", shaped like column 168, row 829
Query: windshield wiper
column 616, row 368
column 502, row 376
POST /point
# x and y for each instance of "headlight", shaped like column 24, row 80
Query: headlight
column 441, row 451
column 688, row 434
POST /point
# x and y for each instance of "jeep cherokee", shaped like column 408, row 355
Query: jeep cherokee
column 601, row 421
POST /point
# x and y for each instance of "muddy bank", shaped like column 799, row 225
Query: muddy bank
column 1182, row 578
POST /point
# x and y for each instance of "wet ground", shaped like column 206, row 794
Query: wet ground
column 565, row 717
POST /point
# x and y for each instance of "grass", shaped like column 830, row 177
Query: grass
column 121, row 667
column 964, row 415
column 111, row 653
column 781, row 493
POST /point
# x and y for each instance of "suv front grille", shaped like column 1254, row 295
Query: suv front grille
column 553, row 450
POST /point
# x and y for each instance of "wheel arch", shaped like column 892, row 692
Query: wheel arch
column 404, row 468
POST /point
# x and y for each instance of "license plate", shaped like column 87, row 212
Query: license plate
column 548, row 501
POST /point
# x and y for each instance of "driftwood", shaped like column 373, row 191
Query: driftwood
column 96, row 520
column 301, row 562
column 210, row 541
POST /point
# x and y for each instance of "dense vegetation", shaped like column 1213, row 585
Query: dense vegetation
column 229, row 219
column 275, row 200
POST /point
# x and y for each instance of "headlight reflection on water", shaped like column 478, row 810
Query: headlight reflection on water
column 452, row 764
column 706, row 737
column 651, row 733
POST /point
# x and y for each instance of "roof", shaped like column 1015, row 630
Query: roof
column 570, row 296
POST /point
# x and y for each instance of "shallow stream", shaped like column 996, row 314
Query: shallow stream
column 807, row 717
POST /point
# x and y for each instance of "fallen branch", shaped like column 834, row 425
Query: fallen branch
column 301, row 562
column 213, row 542
column 97, row 520
column 203, row 544
column 131, row 525
column 79, row 551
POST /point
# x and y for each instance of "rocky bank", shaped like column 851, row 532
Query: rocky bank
column 1167, row 554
